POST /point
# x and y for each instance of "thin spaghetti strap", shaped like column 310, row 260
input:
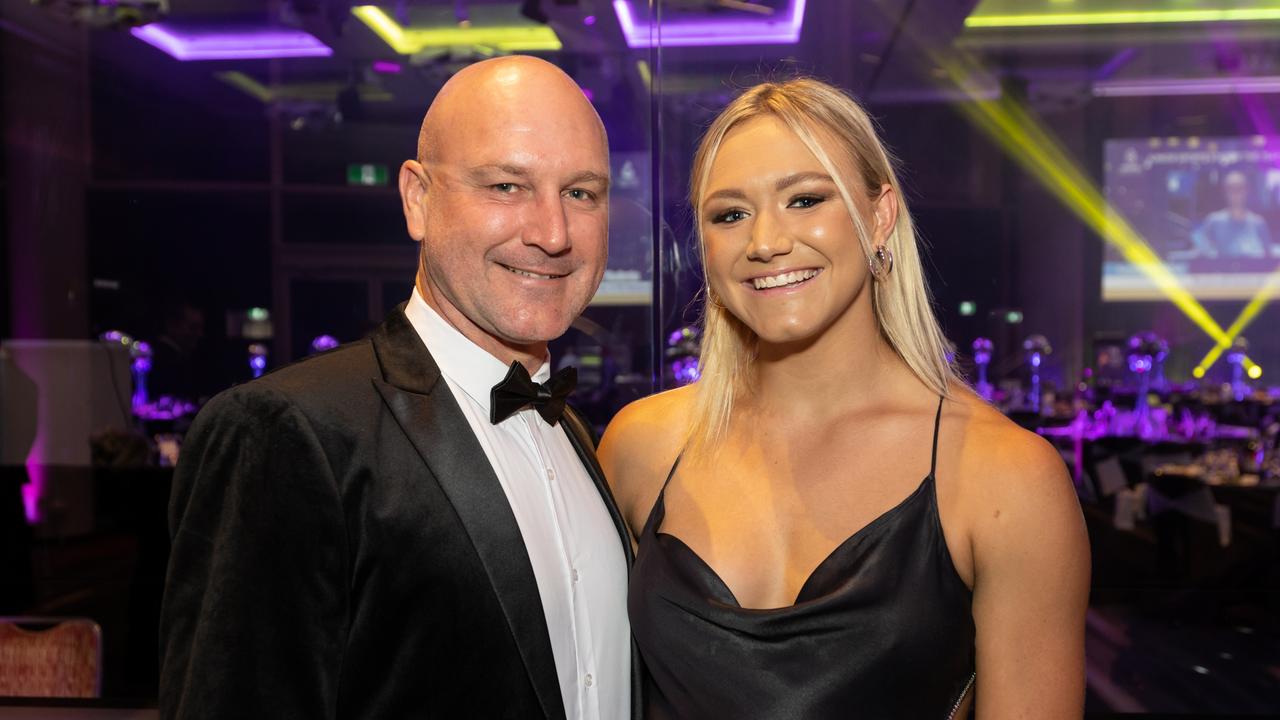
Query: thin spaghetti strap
column 937, row 423
column 671, row 473
column 659, row 508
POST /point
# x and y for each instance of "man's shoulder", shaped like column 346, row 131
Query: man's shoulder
column 316, row 385
column 354, row 362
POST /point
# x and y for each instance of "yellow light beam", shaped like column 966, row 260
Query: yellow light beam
column 1009, row 125
column 410, row 41
column 251, row 87
column 1264, row 295
column 1265, row 127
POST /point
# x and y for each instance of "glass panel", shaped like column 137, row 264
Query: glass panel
column 1080, row 173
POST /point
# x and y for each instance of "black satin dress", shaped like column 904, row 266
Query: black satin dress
column 883, row 628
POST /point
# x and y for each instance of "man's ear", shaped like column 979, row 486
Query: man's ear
column 413, row 182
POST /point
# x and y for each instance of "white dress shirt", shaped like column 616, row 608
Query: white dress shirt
column 577, row 557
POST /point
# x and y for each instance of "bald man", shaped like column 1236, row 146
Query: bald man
column 414, row 525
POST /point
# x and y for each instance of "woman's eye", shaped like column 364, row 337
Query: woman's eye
column 806, row 201
column 729, row 216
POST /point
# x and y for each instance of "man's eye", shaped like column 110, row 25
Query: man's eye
column 504, row 187
column 729, row 216
column 579, row 194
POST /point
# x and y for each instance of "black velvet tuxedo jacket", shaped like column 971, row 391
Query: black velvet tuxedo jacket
column 342, row 549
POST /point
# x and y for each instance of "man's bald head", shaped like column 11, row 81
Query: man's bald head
column 495, row 89
column 509, row 198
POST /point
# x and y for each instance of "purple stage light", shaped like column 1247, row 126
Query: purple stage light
column 258, row 359
column 1035, row 348
column 709, row 32
column 1235, row 358
column 383, row 66
column 140, row 368
column 982, row 350
column 589, row 20
column 323, row 343
column 685, row 371
column 33, row 491
column 683, row 348
column 231, row 44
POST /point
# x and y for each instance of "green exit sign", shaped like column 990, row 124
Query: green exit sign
column 366, row 174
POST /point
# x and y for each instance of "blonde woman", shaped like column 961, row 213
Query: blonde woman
column 792, row 563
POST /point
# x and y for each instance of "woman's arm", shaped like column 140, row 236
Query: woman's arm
column 1031, row 582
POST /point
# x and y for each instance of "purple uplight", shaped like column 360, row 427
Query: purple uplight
column 229, row 44
column 685, row 370
column 323, row 343
column 384, row 66
column 589, row 20
column 711, row 32
column 34, row 489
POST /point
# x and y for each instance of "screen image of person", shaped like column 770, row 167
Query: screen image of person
column 414, row 525
column 1234, row 231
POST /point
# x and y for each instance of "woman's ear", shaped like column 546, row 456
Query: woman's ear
column 885, row 209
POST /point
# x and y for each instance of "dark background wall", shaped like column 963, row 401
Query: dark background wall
column 132, row 181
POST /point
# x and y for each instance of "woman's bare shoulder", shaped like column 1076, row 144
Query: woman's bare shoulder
column 996, row 451
column 1014, row 485
column 993, row 452
column 640, row 445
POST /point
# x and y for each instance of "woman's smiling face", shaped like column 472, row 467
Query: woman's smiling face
column 782, row 252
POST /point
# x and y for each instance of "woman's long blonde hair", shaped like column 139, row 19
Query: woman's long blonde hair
column 815, row 111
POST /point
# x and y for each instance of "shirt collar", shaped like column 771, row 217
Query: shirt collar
column 464, row 363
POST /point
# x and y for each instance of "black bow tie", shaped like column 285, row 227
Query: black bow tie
column 517, row 391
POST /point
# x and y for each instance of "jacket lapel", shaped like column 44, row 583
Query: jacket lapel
column 584, row 443
column 426, row 410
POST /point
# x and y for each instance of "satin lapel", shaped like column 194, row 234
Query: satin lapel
column 584, row 444
column 580, row 437
column 426, row 410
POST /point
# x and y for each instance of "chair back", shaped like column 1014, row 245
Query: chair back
column 50, row 657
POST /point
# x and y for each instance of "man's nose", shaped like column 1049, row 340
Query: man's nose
column 548, row 228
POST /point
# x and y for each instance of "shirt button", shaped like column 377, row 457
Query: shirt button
column 551, row 475
column 587, row 680
column 574, row 574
